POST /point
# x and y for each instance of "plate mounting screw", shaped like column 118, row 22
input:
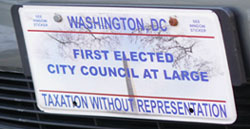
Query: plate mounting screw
column 57, row 18
column 173, row 21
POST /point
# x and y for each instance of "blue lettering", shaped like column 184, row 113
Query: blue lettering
column 118, row 104
column 82, row 70
column 56, row 100
column 199, row 110
column 169, row 58
column 102, row 72
column 73, row 22
column 44, row 96
column 155, row 71
column 133, row 56
column 153, row 105
column 68, row 99
column 195, row 76
column 147, row 106
column 105, row 52
column 205, row 106
column 166, row 104
column 147, row 74
column 123, row 22
column 215, row 110
column 176, row 75
column 133, row 73
column 95, row 102
column 124, row 56
column 117, row 55
column 162, row 23
column 88, row 54
column 63, row 102
column 141, row 58
column 96, row 22
column 154, row 24
column 186, row 108
column 111, row 103
column 50, row 67
column 77, row 101
column 140, row 105
column 151, row 54
column 112, row 72
column 107, row 22
column 223, row 111
column 50, row 100
column 131, row 21
column 204, row 76
column 116, row 23
column 160, row 106
column 97, row 55
column 174, row 110
column 88, row 20
column 193, row 105
column 159, row 57
column 104, row 101
column 121, row 72
column 75, row 53
column 179, row 106
column 140, row 24
column 125, row 108
column 166, row 76
column 81, row 23
column 184, row 74
column 93, row 70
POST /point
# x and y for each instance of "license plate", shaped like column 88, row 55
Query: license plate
column 145, row 63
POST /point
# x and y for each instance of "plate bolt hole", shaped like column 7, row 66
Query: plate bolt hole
column 74, row 103
column 191, row 110
column 173, row 21
column 58, row 18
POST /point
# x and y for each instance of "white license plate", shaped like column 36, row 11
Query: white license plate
column 147, row 63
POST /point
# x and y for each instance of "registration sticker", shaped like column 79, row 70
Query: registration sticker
column 145, row 63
